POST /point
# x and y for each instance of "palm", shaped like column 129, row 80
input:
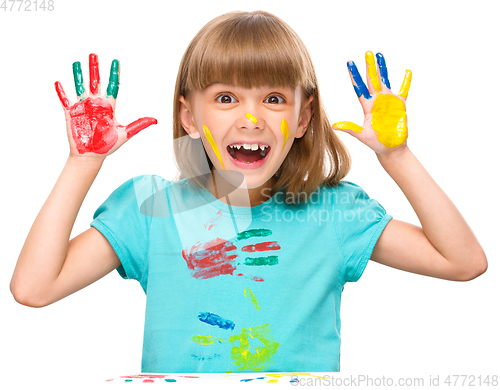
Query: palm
column 385, row 125
column 91, row 124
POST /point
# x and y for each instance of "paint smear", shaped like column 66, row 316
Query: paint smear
column 202, row 358
column 94, row 74
column 253, row 233
column 92, row 126
column 251, row 298
column 251, row 117
column 257, row 261
column 114, row 79
column 262, row 246
column 405, row 87
column 211, row 222
column 210, row 259
column 62, row 96
column 139, row 125
column 252, row 379
column 382, row 67
column 213, row 144
column 214, row 319
column 285, row 131
column 359, row 84
column 78, row 77
column 262, row 358
column 346, row 125
column 389, row 120
column 206, row 340
column 372, row 71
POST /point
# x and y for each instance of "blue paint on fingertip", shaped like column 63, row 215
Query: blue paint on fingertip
column 383, row 70
column 360, row 87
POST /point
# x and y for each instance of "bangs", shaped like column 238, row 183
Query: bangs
column 252, row 50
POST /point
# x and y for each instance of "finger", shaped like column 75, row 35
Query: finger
column 357, row 81
column 78, row 77
column 62, row 96
column 405, row 87
column 114, row 80
column 140, row 124
column 95, row 80
column 346, row 125
column 382, row 68
column 371, row 71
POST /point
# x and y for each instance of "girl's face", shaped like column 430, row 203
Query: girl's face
column 246, row 130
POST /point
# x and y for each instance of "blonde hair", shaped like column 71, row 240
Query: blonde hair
column 255, row 49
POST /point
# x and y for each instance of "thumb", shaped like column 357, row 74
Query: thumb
column 140, row 124
column 347, row 127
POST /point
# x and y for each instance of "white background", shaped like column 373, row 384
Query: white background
column 393, row 323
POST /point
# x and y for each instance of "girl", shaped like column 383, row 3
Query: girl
column 244, row 257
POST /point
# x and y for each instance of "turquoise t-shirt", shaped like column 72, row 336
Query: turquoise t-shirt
column 240, row 289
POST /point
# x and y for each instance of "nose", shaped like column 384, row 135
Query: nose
column 251, row 120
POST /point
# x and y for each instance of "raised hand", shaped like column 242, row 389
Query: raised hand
column 385, row 124
column 91, row 124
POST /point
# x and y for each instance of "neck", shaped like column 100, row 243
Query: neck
column 240, row 197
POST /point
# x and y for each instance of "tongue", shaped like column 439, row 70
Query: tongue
column 247, row 156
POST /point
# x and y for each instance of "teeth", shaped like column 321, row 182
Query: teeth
column 249, row 146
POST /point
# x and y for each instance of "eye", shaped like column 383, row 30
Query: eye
column 274, row 99
column 226, row 99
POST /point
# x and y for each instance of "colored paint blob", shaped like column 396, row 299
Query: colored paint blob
column 214, row 319
column 249, row 295
column 372, row 71
column 210, row 259
column 382, row 67
column 262, row 246
column 257, row 261
column 92, row 126
column 405, row 87
column 78, row 77
column 359, row 84
column 253, row 233
column 346, row 125
column 139, row 125
column 210, row 139
column 251, row 117
column 389, row 120
column 114, row 79
column 62, row 96
column 285, row 131
column 241, row 355
column 94, row 74
column 206, row 340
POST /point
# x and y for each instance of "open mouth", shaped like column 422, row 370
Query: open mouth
column 248, row 153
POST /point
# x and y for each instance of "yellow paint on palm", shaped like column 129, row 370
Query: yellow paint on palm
column 206, row 340
column 372, row 71
column 262, row 358
column 213, row 144
column 251, row 117
column 346, row 125
column 389, row 120
column 405, row 87
column 285, row 131
column 251, row 298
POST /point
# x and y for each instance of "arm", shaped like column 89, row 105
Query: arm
column 444, row 247
column 50, row 267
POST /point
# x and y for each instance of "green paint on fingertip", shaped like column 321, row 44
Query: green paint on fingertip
column 114, row 79
column 170, row 380
column 253, row 233
column 78, row 77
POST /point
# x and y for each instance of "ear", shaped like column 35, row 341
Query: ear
column 305, row 117
column 186, row 118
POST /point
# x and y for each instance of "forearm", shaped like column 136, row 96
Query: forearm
column 441, row 221
column 44, row 251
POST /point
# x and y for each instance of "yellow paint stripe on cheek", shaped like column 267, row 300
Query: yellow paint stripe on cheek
column 213, row 144
column 251, row 117
column 372, row 71
column 389, row 120
column 285, row 131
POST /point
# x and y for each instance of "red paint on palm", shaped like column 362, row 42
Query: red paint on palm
column 93, row 126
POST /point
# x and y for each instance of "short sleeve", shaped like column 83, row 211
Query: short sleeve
column 127, row 230
column 359, row 222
